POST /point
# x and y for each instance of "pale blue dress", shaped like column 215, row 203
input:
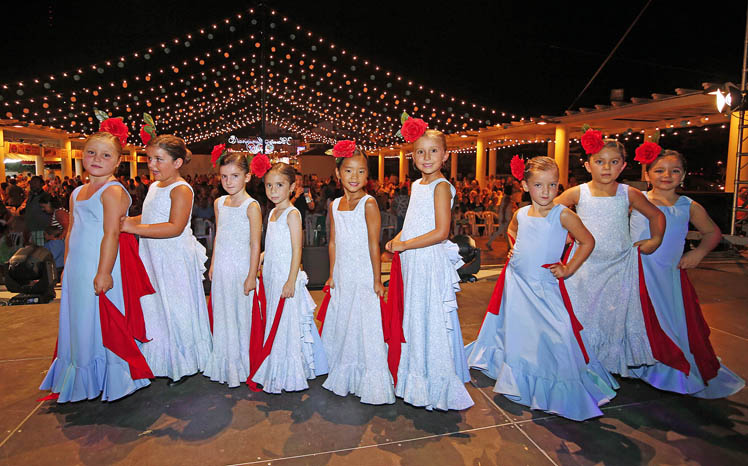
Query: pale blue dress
column 529, row 348
column 297, row 353
column 662, row 276
column 84, row 369
column 433, row 367
column 232, row 310
column 352, row 334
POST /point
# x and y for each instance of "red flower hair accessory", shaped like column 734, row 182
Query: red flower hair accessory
column 592, row 141
column 148, row 130
column 647, row 152
column 259, row 165
column 344, row 148
column 114, row 126
column 413, row 128
column 517, row 166
column 216, row 154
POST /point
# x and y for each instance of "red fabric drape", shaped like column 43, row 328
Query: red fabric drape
column 210, row 312
column 392, row 325
column 267, row 346
column 576, row 326
column 257, row 329
column 663, row 348
column 135, row 285
column 322, row 313
column 117, row 338
column 698, row 331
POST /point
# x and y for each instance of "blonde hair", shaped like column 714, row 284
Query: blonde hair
column 107, row 137
column 436, row 134
column 541, row 163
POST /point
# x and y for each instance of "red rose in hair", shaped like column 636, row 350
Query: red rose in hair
column 259, row 165
column 517, row 166
column 116, row 128
column 144, row 136
column 216, row 153
column 647, row 152
column 344, row 148
column 413, row 128
column 592, row 141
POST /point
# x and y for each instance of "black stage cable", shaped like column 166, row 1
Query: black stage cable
column 610, row 54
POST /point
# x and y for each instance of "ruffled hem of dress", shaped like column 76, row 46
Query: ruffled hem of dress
column 663, row 377
column 309, row 333
column 110, row 381
column 433, row 393
column 190, row 360
column 288, row 375
column 619, row 357
column 201, row 255
column 373, row 386
column 231, row 371
column 573, row 399
column 449, row 307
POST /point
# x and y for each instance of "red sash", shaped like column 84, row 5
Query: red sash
column 210, row 312
column 322, row 313
column 698, row 331
column 663, row 348
column 259, row 351
column 135, row 285
column 392, row 317
column 576, row 326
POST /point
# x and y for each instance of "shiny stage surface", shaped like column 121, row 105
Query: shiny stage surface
column 200, row 423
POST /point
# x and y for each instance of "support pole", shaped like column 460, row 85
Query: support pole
column 2, row 156
column 79, row 167
column 401, row 170
column 39, row 161
column 480, row 162
column 492, row 162
column 453, row 165
column 133, row 163
column 66, row 162
column 380, row 161
column 561, row 154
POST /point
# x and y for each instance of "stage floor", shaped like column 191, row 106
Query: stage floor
column 199, row 422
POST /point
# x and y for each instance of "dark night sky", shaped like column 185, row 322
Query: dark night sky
column 524, row 57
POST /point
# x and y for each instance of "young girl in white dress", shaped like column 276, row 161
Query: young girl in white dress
column 673, row 296
column 296, row 353
column 233, row 272
column 605, row 290
column 530, row 342
column 176, row 317
column 433, row 369
column 352, row 332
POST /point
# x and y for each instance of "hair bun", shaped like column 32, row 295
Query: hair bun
column 187, row 156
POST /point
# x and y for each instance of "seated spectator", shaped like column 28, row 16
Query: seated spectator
column 8, row 245
column 59, row 216
column 56, row 245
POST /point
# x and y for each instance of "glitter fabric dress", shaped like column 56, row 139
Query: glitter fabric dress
column 84, row 368
column 229, row 361
column 529, row 347
column 433, row 368
column 663, row 278
column 176, row 317
column 352, row 334
column 605, row 289
column 297, row 353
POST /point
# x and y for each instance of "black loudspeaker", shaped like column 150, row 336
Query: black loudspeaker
column 31, row 272
column 316, row 263
column 470, row 255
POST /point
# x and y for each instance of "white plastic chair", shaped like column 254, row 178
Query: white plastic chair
column 389, row 224
column 203, row 229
